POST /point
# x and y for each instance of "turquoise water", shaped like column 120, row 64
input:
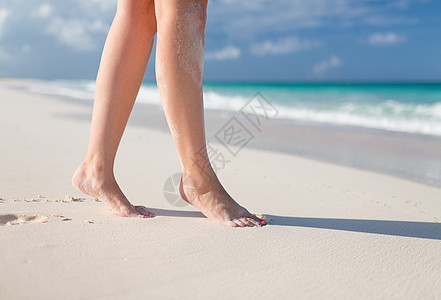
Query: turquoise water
column 402, row 107
column 399, row 107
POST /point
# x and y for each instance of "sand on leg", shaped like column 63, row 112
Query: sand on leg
column 123, row 64
column 179, row 68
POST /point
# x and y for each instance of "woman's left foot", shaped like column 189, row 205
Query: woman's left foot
column 209, row 196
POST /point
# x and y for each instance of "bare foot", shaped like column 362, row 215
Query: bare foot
column 209, row 196
column 92, row 181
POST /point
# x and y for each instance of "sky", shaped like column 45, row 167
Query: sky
column 246, row 40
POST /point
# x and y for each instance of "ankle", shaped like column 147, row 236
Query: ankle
column 202, row 179
column 97, row 168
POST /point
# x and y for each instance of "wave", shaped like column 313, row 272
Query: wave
column 83, row 89
column 353, row 109
column 389, row 122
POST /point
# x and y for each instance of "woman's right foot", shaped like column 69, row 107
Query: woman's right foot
column 92, row 181
column 208, row 195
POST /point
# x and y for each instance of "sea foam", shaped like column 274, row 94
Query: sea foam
column 393, row 110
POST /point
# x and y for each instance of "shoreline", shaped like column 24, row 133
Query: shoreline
column 410, row 156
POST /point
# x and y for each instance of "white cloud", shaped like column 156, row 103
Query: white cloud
column 389, row 38
column 4, row 14
column 75, row 33
column 247, row 19
column 43, row 11
column 26, row 48
column 323, row 66
column 283, row 46
column 103, row 5
column 227, row 53
column 3, row 54
column 79, row 33
column 98, row 26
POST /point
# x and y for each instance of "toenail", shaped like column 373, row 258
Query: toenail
column 262, row 221
column 147, row 217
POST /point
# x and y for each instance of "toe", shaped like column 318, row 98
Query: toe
column 255, row 218
column 239, row 223
column 132, row 215
column 260, row 222
column 254, row 222
column 230, row 224
column 247, row 222
column 143, row 211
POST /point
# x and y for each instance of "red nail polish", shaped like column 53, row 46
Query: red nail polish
column 262, row 221
column 147, row 217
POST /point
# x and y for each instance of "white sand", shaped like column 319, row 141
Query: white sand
column 336, row 232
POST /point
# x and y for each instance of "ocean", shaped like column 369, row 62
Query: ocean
column 398, row 107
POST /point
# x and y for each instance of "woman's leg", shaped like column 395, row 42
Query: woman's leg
column 123, row 63
column 179, row 67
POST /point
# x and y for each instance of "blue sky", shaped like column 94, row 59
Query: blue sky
column 246, row 40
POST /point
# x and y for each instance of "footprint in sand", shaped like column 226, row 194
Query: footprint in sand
column 18, row 219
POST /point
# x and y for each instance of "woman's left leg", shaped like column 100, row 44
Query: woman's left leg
column 179, row 67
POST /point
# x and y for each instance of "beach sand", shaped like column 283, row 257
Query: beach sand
column 335, row 232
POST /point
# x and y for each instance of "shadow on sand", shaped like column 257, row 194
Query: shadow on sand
column 422, row 230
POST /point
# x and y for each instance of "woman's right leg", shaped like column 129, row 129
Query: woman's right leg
column 123, row 63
